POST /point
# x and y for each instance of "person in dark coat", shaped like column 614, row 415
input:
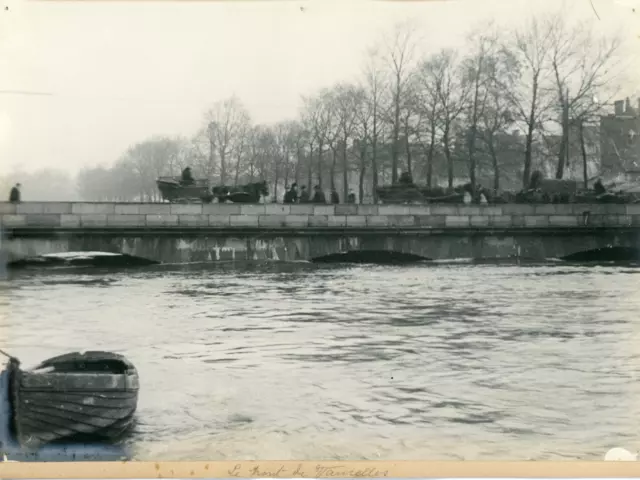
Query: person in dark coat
column 14, row 195
column 318, row 195
column 599, row 187
column 351, row 198
column 187, row 177
column 405, row 179
column 335, row 198
column 304, row 194
column 292, row 194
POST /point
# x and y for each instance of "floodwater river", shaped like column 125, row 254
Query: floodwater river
column 301, row 361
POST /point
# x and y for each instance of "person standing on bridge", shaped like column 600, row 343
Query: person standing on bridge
column 292, row 194
column 335, row 198
column 304, row 194
column 14, row 195
column 318, row 195
column 187, row 177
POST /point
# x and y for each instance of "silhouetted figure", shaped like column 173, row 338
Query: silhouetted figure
column 467, row 196
column 335, row 198
column 351, row 198
column 535, row 180
column 318, row 195
column 187, row 177
column 304, row 194
column 14, row 195
column 599, row 187
column 292, row 194
column 405, row 179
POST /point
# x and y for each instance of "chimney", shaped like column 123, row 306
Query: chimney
column 638, row 112
column 618, row 106
column 627, row 106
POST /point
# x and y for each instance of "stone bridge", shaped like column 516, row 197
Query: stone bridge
column 171, row 233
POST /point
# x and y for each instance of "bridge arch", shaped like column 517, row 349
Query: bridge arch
column 612, row 253
column 383, row 257
column 71, row 251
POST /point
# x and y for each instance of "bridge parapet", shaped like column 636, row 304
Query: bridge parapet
column 80, row 215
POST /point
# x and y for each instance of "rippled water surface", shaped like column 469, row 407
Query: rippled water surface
column 325, row 362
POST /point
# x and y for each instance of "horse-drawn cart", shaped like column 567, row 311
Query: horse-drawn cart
column 175, row 191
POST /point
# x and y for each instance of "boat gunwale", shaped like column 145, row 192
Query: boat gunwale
column 69, row 382
column 92, row 356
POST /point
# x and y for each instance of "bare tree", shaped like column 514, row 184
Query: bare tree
column 401, row 53
column 531, row 47
column 427, row 100
column 583, row 65
column 410, row 119
column 452, row 93
column 318, row 116
column 479, row 69
column 374, row 84
column 227, row 122
column 308, row 137
column 347, row 100
column 497, row 115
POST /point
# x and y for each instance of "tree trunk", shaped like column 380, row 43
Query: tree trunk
column 531, row 125
column 526, row 172
column 472, row 157
column 496, row 166
column 430, row 152
column 447, row 154
column 299, row 158
column 564, row 142
column 310, row 169
column 211, row 155
column 585, row 164
column 223, row 167
column 332, row 173
column 374, row 154
column 396, row 134
column 320, row 155
column 363, row 171
column 237, row 175
column 407, row 146
column 345, row 171
column 252, row 163
column 275, row 184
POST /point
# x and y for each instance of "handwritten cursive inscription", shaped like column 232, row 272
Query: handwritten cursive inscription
column 343, row 471
column 304, row 471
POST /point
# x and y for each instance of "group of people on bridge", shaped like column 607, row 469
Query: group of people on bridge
column 294, row 196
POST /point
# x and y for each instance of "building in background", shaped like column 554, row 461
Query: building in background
column 619, row 139
column 574, row 168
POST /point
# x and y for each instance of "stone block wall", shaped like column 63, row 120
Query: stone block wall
column 63, row 216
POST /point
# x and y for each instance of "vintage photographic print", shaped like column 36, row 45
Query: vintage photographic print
column 287, row 230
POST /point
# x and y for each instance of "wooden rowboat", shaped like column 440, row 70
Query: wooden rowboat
column 73, row 397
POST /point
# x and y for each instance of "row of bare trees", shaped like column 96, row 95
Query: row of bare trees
column 481, row 114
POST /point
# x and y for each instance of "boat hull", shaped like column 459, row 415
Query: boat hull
column 90, row 396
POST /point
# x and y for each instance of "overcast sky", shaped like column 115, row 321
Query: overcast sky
column 103, row 75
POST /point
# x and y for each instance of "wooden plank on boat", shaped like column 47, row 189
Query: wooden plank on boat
column 99, row 400
column 84, row 406
column 65, row 382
